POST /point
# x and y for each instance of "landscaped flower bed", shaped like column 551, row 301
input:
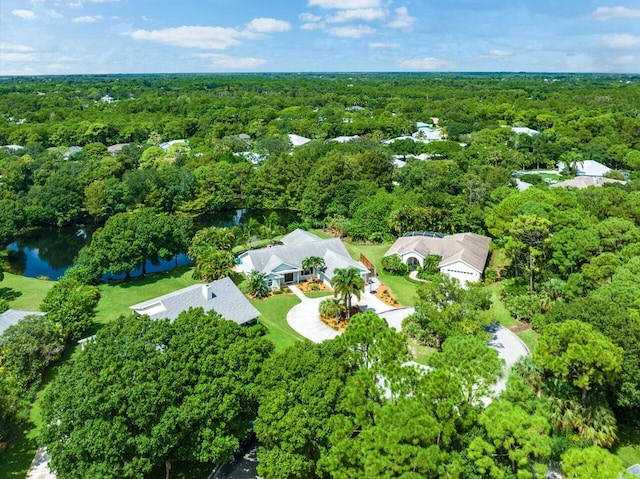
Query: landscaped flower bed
column 386, row 296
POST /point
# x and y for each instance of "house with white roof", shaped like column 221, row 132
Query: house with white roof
column 523, row 130
column 282, row 265
column 297, row 140
column 587, row 168
column 427, row 133
column 344, row 139
column 222, row 296
column 464, row 255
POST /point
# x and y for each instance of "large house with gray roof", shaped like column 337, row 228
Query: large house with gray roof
column 464, row 255
column 282, row 264
column 222, row 295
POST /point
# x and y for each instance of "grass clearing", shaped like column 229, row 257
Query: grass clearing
column 273, row 311
column 421, row 352
column 24, row 293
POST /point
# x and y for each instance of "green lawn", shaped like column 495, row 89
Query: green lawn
column 422, row 353
column 403, row 287
column 498, row 312
column 627, row 448
column 273, row 312
column 16, row 461
column 317, row 294
column 530, row 338
column 24, row 293
column 117, row 296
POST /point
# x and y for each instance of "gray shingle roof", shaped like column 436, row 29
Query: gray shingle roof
column 12, row 316
column 299, row 236
column 221, row 295
column 471, row 248
column 332, row 250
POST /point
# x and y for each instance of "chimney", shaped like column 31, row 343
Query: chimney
column 206, row 291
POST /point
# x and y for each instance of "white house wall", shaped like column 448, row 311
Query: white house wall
column 461, row 271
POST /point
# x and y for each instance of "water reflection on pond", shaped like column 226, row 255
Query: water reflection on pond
column 48, row 252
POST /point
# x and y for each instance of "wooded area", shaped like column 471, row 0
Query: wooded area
column 565, row 260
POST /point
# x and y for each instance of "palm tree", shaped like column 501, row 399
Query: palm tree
column 249, row 230
column 347, row 282
column 271, row 226
column 313, row 263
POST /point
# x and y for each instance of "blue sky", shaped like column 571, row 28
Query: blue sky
column 161, row 36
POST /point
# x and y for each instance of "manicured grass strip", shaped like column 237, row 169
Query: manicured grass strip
column 530, row 338
column 24, row 293
column 498, row 312
column 273, row 312
column 321, row 233
column 317, row 294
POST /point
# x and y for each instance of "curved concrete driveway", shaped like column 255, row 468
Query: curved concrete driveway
column 305, row 318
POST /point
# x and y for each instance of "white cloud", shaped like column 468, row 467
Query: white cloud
column 428, row 63
column 344, row 4
column 312, row 26
column 18, row 57
column 268, row 25
column 26, row 14
column 74, row 4
column 606, row 13
column 624, row 60
column 54, row 14
column 366, row 14
column 622, row 40
column 355, row 31
column 402, row 19
column 309, row 17
column 233, row 63
column 384, row 45
column 214, row 38
column 87, row 19
column 496, row 54
column 12, row 47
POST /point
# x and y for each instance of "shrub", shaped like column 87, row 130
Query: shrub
column 394, row 265
column 256, row 284
column 330, row 308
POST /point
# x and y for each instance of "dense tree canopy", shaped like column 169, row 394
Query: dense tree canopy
column 145, row 392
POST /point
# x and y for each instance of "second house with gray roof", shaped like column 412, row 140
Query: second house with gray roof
column 222, row 295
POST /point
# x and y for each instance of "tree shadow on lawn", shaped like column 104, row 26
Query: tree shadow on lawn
column 9, row 294
column 15, row 461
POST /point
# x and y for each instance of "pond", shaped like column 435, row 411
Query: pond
column 48, row 252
